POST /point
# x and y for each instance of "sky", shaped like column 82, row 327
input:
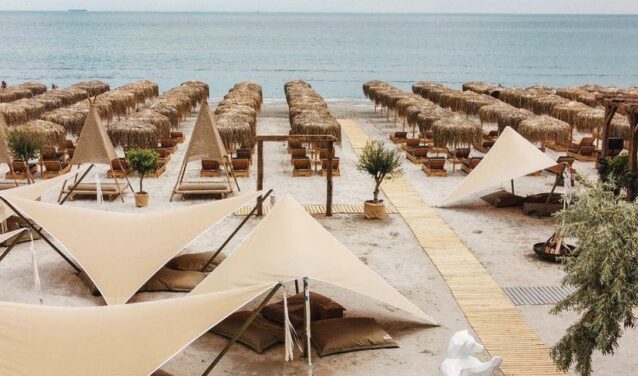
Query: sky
column 355, row 6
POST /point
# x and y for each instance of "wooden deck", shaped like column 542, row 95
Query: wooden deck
column 499, row 325
column 320, row 209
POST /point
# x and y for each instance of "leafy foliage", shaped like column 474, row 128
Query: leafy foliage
column 604, row 271
column 22, row 147
column 380, row 162
column 143, row 161
column 615, row 172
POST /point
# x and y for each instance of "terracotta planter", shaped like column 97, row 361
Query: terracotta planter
column 141, row 199
column 372, row 210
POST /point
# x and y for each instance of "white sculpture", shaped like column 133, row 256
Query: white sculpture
column 459, row 362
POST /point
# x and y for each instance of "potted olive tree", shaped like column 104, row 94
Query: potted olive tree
column 381, row 163
column 143, row 161
column 23, row 149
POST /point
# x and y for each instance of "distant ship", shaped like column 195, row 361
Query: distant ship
column 76, row 10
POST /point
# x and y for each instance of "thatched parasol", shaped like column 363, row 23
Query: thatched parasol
column 542, row 104
column 456, row 130
column 36, row 88
column 46, row 132
column 594, row 119
column 236, row 114
column 72, row 119
column 479, row 87
column 160, row 121
column 13, row 114
column 11, row 94
column 92, row 88
column 567, row 112
column 545, row 129
column 578, row 94
column 133, row 133
column 309, row 113
column 504, row 115
column 430, row 90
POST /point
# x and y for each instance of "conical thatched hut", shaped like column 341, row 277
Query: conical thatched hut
column 46, row 132
column 545, row 129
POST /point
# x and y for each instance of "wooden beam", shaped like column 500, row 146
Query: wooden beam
column 329, row 180
column 296, row 137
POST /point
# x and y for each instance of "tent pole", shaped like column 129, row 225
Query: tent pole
column 232, row 235
column 10, row 247
column 76, row 183
column 306, row 297
column 120, row 191
column 243, row 328
column 119, row 161
column 232, row 170
column 565, row 165
column 179, row 178
column 15, row 180
column 225, row 163
column 297, row 282
column 39, row 232
column 512, row 181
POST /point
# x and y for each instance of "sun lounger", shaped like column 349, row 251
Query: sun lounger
column 119, row 168
column 203, row 188
column 241, row 167
column 470, row 164
column 411, row 143
column 399, row 137
column 110, row 191
column 244, row 153
column 55, row 168
column 584, row 151
column 163, row 154
column 560, row 165
column 301, row 167
column 298, row 154
column 418, row 154
column 20, row 170
column 335, row 167
column 457, row 156
column 178, row 137
column 50, row 154
column 209, row 168
column 292, row 145
column 160, row 168
column 485, row 146
column 434, row 166
column 168, row 144
column 169, row 280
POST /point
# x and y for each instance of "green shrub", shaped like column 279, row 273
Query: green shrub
column 143, row 161
column 380, row 162
column 22, row 147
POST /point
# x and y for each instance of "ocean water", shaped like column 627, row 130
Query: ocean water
column 334, row 52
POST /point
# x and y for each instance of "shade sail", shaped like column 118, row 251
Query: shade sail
column 289, row 244
column 205, row 141
column 125, row 340
column 121, row 251
column 94, row 144
column 33, row 191
column 511, row 157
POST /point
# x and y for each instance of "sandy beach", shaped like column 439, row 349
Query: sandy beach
column 501, row 239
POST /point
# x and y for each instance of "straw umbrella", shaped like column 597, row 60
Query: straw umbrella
column 36, row 88
column 456, row 130
column 593, row 120
column 545, row 129
column 45, row 132
column 479, row 87
column 133, row 133
column 92, row 88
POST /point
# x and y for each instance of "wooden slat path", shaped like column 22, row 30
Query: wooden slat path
column 320, row 209
column 499, row 325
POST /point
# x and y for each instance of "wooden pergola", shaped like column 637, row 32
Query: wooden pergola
column 330, row 140
column 624, row 106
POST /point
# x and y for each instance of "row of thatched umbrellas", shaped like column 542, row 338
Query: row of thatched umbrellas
column 236, row 114
column 447, row 127
column 308, row 112
column 578, row 106
column 24, row 90
column 151, row 123
column 536, row 128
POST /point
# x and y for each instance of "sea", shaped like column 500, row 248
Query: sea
column 336, row 53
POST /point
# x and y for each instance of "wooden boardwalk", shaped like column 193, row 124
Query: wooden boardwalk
column 320, row 209
column 499, row 325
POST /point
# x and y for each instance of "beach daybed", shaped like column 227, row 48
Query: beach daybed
column 203, row 188
column 434, row 166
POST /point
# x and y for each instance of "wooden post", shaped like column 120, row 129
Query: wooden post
column 633, row 156
column 329, row 180
column 610, row 111
column 260, row 175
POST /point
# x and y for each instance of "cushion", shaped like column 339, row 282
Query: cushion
column 195, row 262
column 503, row 199
column 173, row 281
column 260, row 335
column 321, row 308
column 92, row 187
column 160, row 372
column 191, row 186
column 336, row 336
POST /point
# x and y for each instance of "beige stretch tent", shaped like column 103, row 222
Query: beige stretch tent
column 126, row 340
column 121, row 251
column 206, row 144
column 511, row 157
column 289, row 244
column 94, row 146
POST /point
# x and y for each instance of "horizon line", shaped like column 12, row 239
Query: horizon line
column 81, row 10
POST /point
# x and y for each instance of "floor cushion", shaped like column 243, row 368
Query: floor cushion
column 195, row 262
column 321, row 308
column 336, row 336
column 503, row 199
column 173, row 281
column 260, row 335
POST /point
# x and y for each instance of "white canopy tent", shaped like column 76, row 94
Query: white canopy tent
column 289, row 244
column 511, row 157
column 121, row 251
column 123, row 340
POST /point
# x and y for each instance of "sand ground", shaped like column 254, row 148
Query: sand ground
column 500, row 238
